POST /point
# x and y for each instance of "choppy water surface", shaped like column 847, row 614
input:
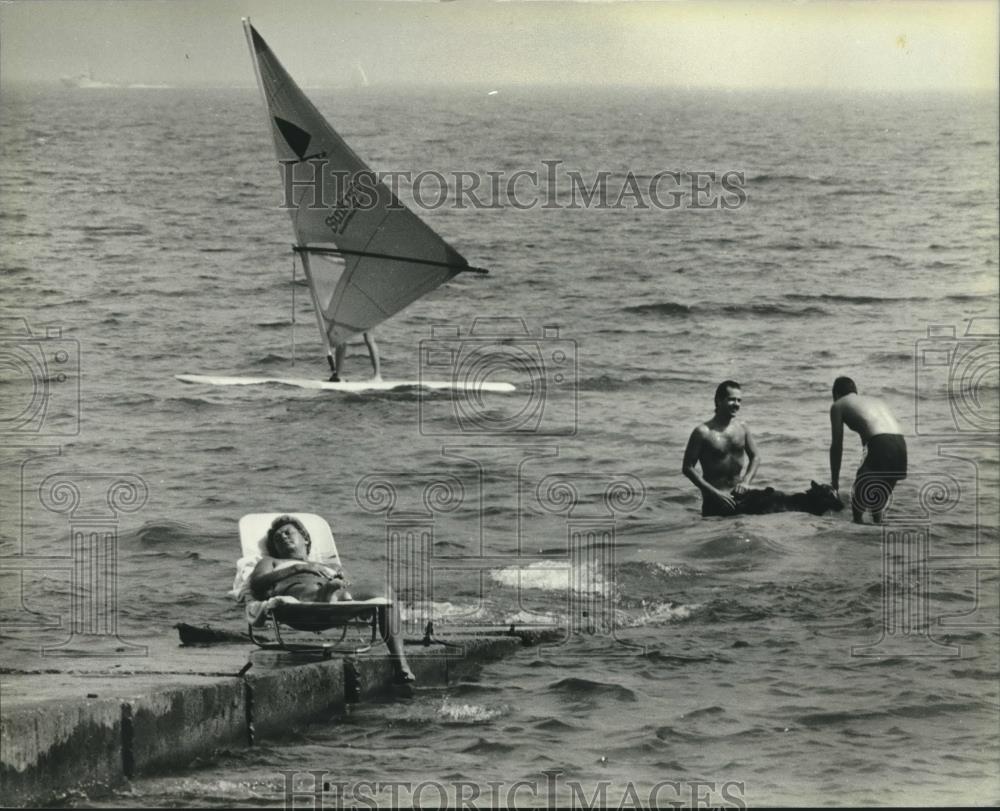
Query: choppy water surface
column 144, row 225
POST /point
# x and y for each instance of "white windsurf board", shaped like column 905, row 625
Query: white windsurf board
column 351, row 386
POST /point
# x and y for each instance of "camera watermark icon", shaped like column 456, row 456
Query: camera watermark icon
column 957, row 404
column 958, row 379
column 479, row 364
column 41, row 377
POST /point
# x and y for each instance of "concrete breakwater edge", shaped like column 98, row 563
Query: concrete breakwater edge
column 84, row 726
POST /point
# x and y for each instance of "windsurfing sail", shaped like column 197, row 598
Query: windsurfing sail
column 366, row 256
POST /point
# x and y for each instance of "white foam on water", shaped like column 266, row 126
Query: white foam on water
column 446, row 610
column 651, row 615
column 470, row 713
column 554, row 575
column 527, row 617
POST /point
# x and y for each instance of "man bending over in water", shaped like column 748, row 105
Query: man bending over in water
column 720, row 446
column 287, row 571
column 885, row 449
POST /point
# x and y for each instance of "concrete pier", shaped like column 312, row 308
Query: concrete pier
column 84, row 725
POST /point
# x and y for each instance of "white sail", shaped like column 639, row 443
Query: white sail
column 366, row 255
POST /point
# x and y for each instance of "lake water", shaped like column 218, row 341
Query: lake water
column 786, row 659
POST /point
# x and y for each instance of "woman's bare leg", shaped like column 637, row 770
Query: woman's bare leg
column 390, row 627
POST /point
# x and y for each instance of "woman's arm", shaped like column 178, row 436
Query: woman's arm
column 269, row 571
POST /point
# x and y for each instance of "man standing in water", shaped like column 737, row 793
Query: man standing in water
column 885, row 449
column 720, row 446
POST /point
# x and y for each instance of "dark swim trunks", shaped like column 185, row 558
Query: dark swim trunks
column 309, row 587
column 886, row 457
column 883, row 466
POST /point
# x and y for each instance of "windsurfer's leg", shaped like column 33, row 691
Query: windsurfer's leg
column 373, row 355
column 338, row 362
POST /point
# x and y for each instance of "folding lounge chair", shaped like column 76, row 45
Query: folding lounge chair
column 287, row 611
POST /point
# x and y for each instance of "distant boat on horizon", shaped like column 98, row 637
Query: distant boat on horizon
column 85, row 81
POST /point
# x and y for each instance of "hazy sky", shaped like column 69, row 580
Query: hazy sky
column 877, row 45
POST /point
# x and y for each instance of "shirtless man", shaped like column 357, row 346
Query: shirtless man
column 885, row 449
column 720, row 446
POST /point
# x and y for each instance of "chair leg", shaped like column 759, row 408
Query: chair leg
column 253, row 637
column 277, row 632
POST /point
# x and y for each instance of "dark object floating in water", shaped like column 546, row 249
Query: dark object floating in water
column 818, row 499
column 193, row 635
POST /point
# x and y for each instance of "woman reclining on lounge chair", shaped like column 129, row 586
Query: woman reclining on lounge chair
column 287, row 571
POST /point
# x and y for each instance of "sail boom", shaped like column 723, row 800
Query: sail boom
column 390, row 257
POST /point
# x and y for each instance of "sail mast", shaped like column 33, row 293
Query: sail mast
column 317, row 309
column 298, row 247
